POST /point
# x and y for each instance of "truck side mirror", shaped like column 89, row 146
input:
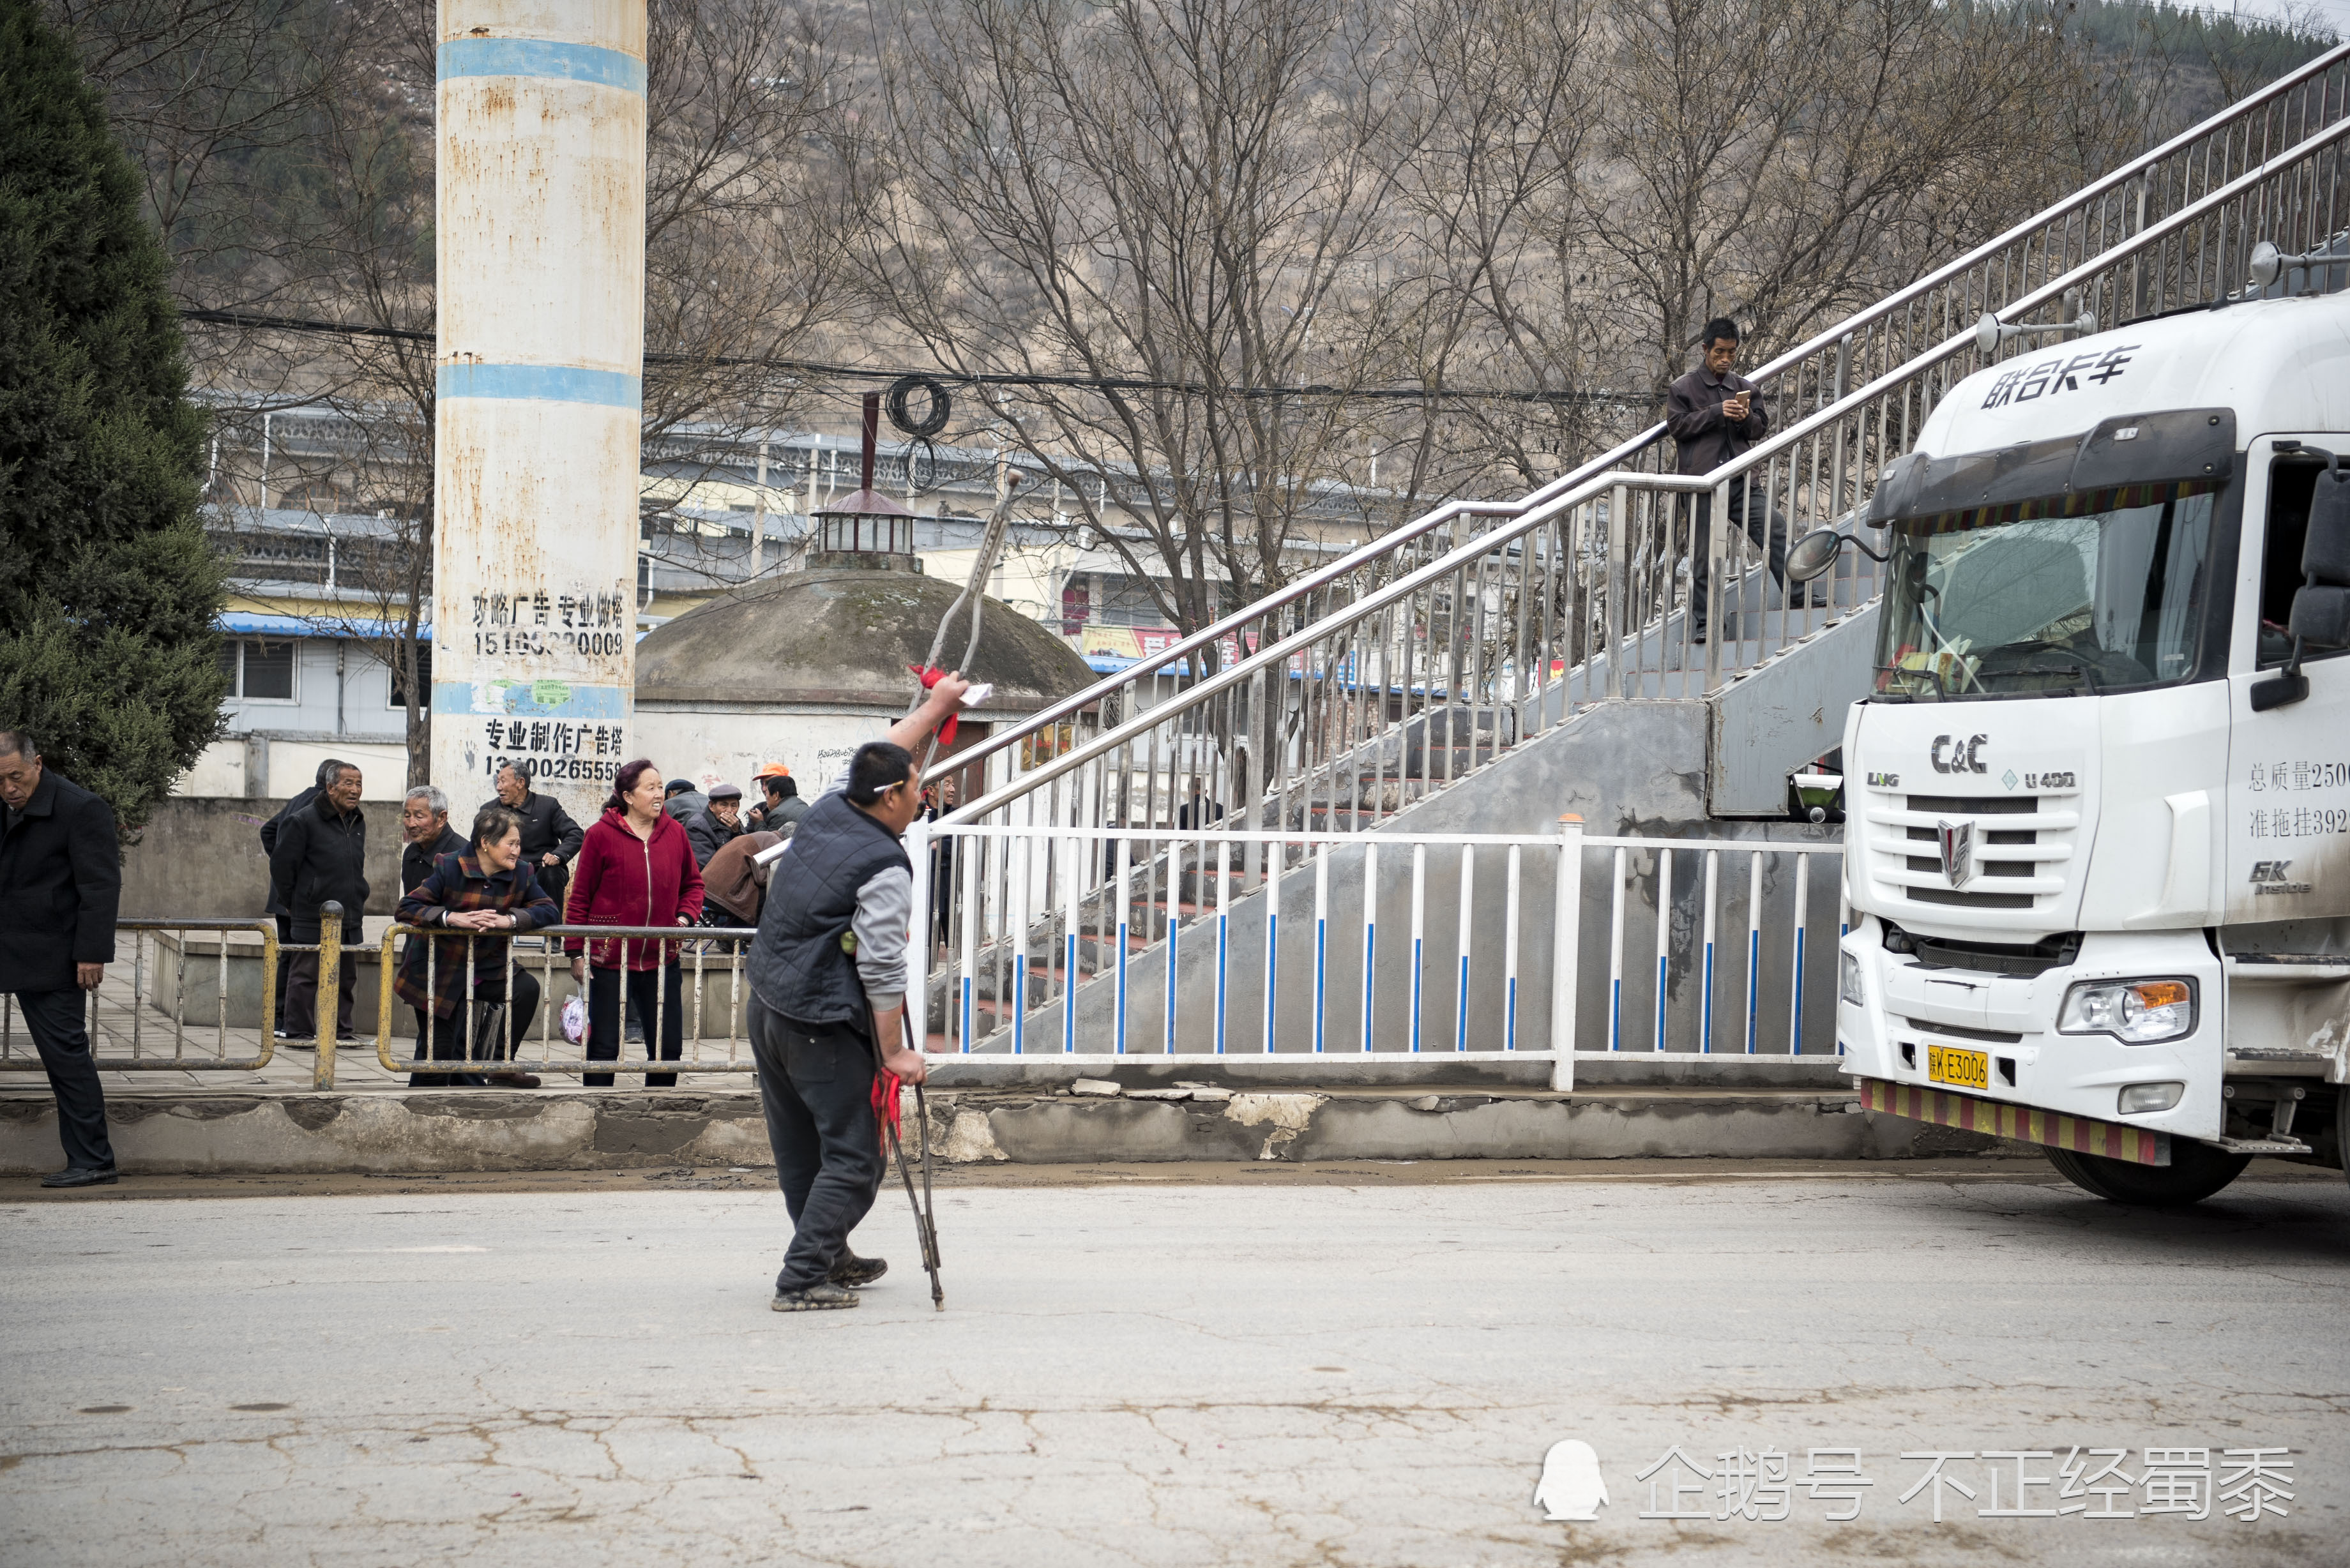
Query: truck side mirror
column 1814, row 554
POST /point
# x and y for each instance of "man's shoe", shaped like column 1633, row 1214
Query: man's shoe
column 80, row 1175
column 283, row 1034
column 854, row 1272
column 821, row 1296
column 515, row 1080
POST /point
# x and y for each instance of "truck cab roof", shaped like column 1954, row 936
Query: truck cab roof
column 2280, row 363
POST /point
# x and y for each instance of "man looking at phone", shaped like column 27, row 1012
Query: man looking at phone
column 1715, row 414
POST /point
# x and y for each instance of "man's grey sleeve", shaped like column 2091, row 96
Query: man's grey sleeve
column 885, row 908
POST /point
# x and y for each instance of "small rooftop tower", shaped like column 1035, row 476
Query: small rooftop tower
column 865, row 530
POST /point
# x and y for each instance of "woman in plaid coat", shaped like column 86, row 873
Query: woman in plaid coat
column 484, row 891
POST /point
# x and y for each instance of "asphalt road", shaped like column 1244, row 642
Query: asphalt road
column 1352, row 1373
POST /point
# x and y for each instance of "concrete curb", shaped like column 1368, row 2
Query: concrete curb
column 1593, row 1069
column 430, row 1130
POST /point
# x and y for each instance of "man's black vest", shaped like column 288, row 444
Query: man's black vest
column 796, row 966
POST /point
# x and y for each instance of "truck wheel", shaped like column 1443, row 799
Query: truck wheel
column 2196, row 1171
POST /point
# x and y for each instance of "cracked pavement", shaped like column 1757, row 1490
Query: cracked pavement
column 1148, row 1374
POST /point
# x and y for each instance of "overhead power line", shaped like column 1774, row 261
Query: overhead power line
column 822, row 370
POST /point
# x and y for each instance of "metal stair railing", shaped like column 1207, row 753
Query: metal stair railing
column 1585, row 594
column 1581, row 597
column 2108, row 212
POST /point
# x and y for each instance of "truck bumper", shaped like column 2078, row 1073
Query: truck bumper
column 2024, row 1124
column 1908, row 1009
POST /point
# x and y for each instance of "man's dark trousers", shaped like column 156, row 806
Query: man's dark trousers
column 817, row 1088
column 55, row 1018
column 301, row 1013
column 1701, row 545
column 285, row 968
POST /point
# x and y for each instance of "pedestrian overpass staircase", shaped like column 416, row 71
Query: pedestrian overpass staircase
column 1492, row 665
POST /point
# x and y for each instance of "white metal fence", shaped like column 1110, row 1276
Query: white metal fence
column 1094, row 944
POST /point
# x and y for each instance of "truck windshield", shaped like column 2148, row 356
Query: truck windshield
column 2089, row 592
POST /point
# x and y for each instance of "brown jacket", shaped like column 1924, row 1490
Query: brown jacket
column 733, row 882
column 1693, row 413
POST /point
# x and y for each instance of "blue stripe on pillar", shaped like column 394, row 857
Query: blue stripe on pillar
column 541, row 383
column 529, row 700
column 542, row 57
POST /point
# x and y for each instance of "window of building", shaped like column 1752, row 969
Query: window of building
column 259, row 670
column 399, row 698
column 1127, row 601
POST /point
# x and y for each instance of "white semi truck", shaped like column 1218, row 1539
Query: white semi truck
column 2097, row 803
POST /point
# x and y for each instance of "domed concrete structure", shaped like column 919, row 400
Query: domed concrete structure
column 804, row 667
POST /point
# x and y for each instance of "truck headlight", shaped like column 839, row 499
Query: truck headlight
column 2136, row 1099
column 1852, row 987
column 2139, row 1011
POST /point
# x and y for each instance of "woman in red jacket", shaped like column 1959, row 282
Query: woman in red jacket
column 635, row 869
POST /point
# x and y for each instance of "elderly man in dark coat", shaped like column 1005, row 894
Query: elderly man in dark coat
column 61, row 880
column 550, row 839
column 717, row 825
column 425, row 836
column 321, row 858
column 274, row 910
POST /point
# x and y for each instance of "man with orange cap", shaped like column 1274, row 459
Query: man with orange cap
column 782, row 806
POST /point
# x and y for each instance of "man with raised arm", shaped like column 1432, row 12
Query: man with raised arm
column 827, row 1003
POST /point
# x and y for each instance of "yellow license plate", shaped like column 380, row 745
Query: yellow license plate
column 1960, row 1069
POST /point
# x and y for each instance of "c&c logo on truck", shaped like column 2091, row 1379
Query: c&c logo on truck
column 1964, row 756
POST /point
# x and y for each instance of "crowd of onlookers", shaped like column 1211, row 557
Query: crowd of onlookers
column 660, row 855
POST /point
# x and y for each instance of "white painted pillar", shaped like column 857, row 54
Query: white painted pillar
column 541, row 224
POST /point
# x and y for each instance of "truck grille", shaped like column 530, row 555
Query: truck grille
column 2037, row 856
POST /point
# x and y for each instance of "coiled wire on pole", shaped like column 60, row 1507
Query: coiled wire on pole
column 934, row 417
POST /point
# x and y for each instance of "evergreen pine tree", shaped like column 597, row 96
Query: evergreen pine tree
column 108, row 591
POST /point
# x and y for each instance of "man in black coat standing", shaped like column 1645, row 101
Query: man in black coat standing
column 274, row 910
column 1715, row 414
column 321, row 858
column 60, row 881
column 550, row 839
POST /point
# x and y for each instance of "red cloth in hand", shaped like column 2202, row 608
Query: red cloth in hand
column 885, row 1103
column 931, row 678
